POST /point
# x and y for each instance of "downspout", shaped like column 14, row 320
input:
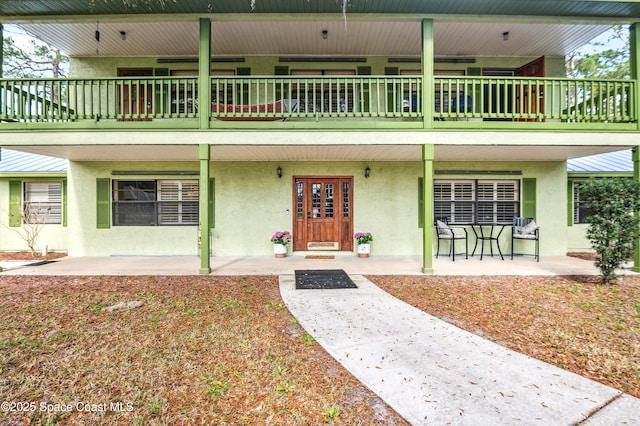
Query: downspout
column 428, row 108
column 634, row 39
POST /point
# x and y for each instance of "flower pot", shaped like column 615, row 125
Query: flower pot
column 280, row 250
column 364, row 250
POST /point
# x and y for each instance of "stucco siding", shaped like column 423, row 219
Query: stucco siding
column 252, row 202
column 53, row 236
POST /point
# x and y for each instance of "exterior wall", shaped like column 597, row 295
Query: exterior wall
column 551, row 201
column 54, row 236
column 86, row 240
column 107, row 67
column 576, row 238
column 252, row 203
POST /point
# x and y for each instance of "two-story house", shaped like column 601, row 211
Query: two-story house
column 203, row 127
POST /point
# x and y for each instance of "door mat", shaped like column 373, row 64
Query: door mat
column 315, row 256
column 42, row 262
column 323, row 279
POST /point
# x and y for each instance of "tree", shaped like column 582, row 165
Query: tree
column 613, row 226
column 32, row 59
column 609, row 60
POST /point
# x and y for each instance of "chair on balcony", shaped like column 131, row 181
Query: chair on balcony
column 448, row 233
column 462, row 104
column 526, row 228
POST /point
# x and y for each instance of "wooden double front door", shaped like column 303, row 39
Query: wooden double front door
column 323, row 213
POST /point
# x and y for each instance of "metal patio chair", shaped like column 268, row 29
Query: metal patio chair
column 526, row 228
column 448, row 233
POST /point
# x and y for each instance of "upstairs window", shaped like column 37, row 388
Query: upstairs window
column 42, row 202
column 155, row 202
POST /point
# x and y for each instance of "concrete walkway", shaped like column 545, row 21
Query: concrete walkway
column 268, row 265
column 432, row 372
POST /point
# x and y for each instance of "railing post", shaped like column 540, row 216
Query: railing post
column 204, row 66
column 428, row 81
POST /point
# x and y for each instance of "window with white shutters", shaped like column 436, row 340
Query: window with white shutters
column 155, row 202
column 42, row 202
column 178, row 202
column 476, row 201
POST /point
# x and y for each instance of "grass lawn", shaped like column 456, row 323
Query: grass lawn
column 215, row 350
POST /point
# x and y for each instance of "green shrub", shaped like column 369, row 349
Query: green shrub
column 613, row 226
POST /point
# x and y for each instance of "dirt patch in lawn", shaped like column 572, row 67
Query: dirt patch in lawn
column 571, row 322
column 205, row 350
column 225, row 350
column 584, row 255
column 27, row 255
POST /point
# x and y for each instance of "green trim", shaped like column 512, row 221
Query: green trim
column 103, row 203
column 204, row 155
column 64, row 202
column 529, row 197
column 428, row 69
column 212, row 203
column 1, row 53
column 570, row 202
column 427, row 208
column 33, row 175
column 282, row 90
column 15, row 203
column 474, row 72
column 420, row 202
column 204, row 71
column 635, row 156
column 587, row 175
column 634, row 62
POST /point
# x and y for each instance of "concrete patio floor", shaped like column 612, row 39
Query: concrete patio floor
column 269, row 265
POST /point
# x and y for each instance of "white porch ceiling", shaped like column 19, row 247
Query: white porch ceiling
column 280, row 153
column 290, row 38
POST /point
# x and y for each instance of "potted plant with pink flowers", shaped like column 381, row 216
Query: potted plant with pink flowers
column 280, row 240
column 363, row 240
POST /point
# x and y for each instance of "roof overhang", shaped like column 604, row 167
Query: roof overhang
column 392, row 38
column 566, row 8
column 290, row 153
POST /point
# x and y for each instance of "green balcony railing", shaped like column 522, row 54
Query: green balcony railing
column 315, row 97
column 55, row 100
column 536, row 99
column 300, row 99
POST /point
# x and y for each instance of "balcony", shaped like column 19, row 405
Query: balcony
column 364, row 102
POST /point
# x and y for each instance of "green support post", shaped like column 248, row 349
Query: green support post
column 427, row 229
column 634, row 50
column 205, row 157
column 1, row 53
column 428, row 80
column 204, row 71
column 636, row 177
column 634, row 61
